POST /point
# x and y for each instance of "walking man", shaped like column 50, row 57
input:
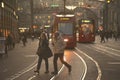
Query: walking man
column 58, row 50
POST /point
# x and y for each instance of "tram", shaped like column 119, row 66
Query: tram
column 86, row 30
column 65, row 24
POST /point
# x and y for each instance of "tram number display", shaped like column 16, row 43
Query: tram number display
column 64, row 19
column 86, row 21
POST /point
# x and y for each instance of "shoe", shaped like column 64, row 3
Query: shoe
column 36, row 71
column 70, row 69
column 54, row 73
column 46, row 72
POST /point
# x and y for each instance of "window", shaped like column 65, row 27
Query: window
column 65, row 28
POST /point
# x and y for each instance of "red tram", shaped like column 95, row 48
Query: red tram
column 65, row 24
column 86, row 31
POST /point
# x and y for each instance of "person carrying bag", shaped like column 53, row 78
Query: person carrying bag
column 43, row 52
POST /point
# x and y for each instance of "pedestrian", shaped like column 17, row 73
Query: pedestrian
column 115, row 35
column 1, row 34
column 9, row 41
column 43, row 52
column 102, row 35
column 24, row 40
column 58, row 50
column 106, row 35
column 13, row 40
column 32, row 37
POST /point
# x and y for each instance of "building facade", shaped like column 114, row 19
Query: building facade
column 111, row 16
column 8, row 18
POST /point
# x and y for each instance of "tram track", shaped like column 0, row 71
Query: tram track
column 96, row 63
column 61, row 69
column 81, row 76
column 108, row 50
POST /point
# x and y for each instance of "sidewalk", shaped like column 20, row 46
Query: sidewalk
column 18, row 58
column 109, row 39
column 111, row 42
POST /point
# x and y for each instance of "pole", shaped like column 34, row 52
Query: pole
column 64, row 6
column 105, row 15
column 31, row 7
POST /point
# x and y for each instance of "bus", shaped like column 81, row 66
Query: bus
column 86, row 30
column 65, row 24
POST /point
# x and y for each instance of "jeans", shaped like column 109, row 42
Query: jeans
column 39, row 63
column 61, row 57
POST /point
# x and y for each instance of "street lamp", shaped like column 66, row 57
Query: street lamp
column 31, row 5
column 108, row 1
column 71, row 7
column 2, row 5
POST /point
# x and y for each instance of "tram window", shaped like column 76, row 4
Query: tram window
column 65, row 28
column 87, row 28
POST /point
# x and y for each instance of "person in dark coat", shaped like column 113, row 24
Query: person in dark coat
column 102, row 35
column 115, row 35
column 24, row 40
column 43, row 52
column 9, row 41
column 106, row 35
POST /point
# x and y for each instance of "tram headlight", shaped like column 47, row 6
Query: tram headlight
column 92, row 35
column 66, row 40
column 82, row 35
column 50, row 40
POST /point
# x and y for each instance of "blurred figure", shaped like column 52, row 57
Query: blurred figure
column 106, row 35
column 24, row 40
column 102, row 36
column 1, row 34
column 58, row 49
column 9, row 41
column 43, row 52
column 115, row 35
column 13, row 40
column 32, row 37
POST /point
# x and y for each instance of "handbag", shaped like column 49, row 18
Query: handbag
column 44, row 52
column 49, row 52
column 38, row 51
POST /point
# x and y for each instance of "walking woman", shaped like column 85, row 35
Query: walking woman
column 43, row 53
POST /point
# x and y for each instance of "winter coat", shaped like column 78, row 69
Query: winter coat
column 43, row 50
column 58, row 45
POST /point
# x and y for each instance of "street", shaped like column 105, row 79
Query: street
column 89, row 28
column 90, row 61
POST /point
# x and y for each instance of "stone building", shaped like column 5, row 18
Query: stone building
column 112, row 16
column 8, row 18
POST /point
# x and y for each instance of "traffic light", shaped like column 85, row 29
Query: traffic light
column 108, row 1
